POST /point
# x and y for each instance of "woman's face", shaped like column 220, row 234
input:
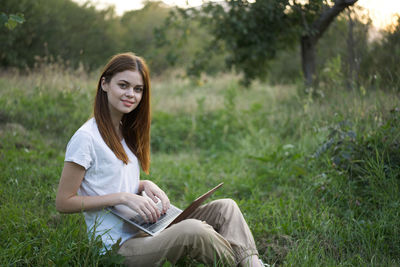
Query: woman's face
column 124, row 92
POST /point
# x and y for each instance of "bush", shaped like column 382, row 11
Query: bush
column 367, row 165
column 353, row 153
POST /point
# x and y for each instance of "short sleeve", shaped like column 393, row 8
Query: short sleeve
column 79, row 149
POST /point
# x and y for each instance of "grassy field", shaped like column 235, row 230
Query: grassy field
column 316, row 175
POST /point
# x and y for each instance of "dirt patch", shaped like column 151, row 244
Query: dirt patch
column 10, row 130
column 13, row 128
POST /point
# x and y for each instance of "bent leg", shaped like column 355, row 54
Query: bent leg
column 227, row 219
column 189, row 237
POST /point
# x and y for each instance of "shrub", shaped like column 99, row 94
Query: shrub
column 370, row 160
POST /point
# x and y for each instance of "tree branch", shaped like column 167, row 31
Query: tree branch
column 322, row 23
column 303, row 17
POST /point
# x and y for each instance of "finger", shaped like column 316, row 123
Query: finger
column 151, row 195
column 152, row 212
column 140, row 209
column 143, row 212
column 146, row 211
column 164, row 201
column 147, row 216
column 143, row 215
column 155, row 213
column 166, row 204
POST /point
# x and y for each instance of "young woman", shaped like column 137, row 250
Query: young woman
column 101, row 169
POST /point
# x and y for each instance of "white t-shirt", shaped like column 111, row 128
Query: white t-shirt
column 105, row 174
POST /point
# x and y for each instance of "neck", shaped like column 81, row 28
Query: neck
column 116, row 121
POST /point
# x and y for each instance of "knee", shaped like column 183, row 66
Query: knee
column 195, row 228
column 195, row 233
column 202, row 242
column 226, row 204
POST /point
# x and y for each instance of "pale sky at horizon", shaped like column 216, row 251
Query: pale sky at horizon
column 381, row 12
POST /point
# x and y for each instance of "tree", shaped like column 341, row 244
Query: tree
column 58, row 29
column 314, row 31
column 138, row 28
column 338, row 65
column 381, row 68
column 253, row 32
column 186, row 44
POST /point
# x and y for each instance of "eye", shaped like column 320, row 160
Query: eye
column 138, row 89
column 123, row 85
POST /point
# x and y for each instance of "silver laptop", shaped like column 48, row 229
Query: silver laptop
column 172, row 216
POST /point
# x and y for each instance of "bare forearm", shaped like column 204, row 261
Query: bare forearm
column 84, row 203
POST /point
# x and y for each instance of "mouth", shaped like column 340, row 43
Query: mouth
column 127, row 103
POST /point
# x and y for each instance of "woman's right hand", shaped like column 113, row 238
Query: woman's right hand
column 67, row 200
column 146, row 207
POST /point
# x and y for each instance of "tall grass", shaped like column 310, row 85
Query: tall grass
column 314, row 176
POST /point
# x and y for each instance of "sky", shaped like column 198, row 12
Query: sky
column 380, row 11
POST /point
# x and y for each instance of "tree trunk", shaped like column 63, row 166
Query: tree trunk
column 351, row 58
column 316, row 30
column 308, row 54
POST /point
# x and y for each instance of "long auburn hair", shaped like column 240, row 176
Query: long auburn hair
column 135, row 125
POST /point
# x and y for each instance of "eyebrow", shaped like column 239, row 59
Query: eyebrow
column 125, row 81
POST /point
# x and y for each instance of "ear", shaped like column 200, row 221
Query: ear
column 104, row 84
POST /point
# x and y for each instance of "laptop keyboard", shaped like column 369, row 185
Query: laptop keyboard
column 153, row 227
column 172, row 213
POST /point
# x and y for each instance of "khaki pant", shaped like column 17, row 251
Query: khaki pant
column 215, row 232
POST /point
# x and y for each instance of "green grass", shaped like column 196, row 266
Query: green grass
column 307, row 203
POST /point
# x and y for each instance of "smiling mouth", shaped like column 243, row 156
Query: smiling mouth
column 128, row 103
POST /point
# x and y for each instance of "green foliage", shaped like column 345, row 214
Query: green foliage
column 187, row 44
column 302, row 210
column 72, row 106
column 350, row 52
column 370, row 59
column 63, row 32
column 58, row 30
column 381, row 68
column 355, row 154
column 332, row 75
column 32, row 232
column 137, row 35
column 253, row 33
column 212, row 131
column 12, row 20
column 250, row 33
column 285, row 68
column 361, row 181
column 256, row 39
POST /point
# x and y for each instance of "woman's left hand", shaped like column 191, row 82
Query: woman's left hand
column 153, row 191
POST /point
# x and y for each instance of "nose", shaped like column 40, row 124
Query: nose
column 130, row 92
